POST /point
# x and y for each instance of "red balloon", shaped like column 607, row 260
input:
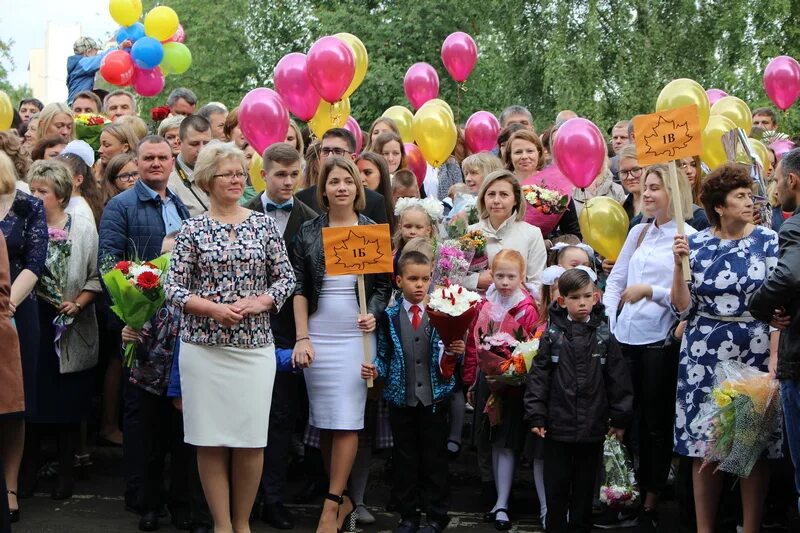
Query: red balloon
column 480, row 132
column 459, row 55
column 117, row 67
column 782, row 81
column 263, row 118
column 294, row 86
column 421, row 83
column 580, row 151
column 416, row 162
column 352, row 126
column 331, row 67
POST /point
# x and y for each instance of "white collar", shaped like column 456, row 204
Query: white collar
column 588, row 318
column 407, row 306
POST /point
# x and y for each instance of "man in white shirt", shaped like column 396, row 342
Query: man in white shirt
column 195, row 133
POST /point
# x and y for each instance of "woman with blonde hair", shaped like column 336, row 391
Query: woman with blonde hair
column 476, row 167
column 57, row 119
column 379, row 126
column 115, row 139
column 294, row 137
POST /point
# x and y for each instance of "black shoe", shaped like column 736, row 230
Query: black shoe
column 149, row 521
column 489, row 516
column 407, row 526
column 648, row 520
column 277, row 516
column 311, row 491
column 453, row 455
column 181, row 518
column 13, row 514
column 502, row 525
column 201, row 528
column 63, row 489
column 434, row 526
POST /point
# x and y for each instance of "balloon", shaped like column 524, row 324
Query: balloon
column 263, row 118
column 441, row 103
column 179, row 36
column 256, row 166
column 713, row 153
column 361, row 58
column 331, row 68
column 125, row 12
column 683, row 92
column 782, row 81
column 736, row 110
column 421, row 83
column 415, row 162
column 161, row 23
column 781, row 147
column 177, row 58
column 459, row 55
column 117, row 67
column 604, row 225
column 714, row 95
column 294, row 86
column 147, row 52
column 580, row 151
column 435, row 134
column 133, row 33
column 762, row 154
column 480, row 132
column 147, row 82
column 403, row 118
column 6, row 111
column 329, row 116
column 352, row 126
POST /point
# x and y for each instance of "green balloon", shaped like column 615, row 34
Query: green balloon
column 177, row 58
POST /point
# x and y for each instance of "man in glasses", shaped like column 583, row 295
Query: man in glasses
column 195, row 133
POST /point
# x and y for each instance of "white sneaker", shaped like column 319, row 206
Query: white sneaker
column 363, row 516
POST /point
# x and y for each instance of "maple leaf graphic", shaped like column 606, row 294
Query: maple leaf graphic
column 355, row 252
column 667, row 137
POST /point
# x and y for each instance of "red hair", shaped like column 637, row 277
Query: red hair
column 509, row 256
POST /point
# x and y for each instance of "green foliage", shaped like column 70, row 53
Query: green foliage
column 15, row 94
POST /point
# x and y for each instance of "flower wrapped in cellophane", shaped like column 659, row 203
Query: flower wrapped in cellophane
column 88, row 127
column 619, row 489
column 52, row 283
column 451, row 309
column 475, row 241
column 451, row 264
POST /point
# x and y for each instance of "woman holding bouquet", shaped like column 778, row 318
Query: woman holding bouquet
column 229, row 270
column 330, row 330
column 728, row 262
column 67, row 323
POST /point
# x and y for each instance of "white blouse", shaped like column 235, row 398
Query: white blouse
column 652, row 263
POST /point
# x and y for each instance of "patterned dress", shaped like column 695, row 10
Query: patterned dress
column 725, row 274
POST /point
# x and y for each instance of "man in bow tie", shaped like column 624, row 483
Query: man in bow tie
column 281, row 172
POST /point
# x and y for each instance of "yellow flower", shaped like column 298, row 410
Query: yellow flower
column 721, row 397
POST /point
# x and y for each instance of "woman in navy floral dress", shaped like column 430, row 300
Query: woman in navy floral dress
column 728, row 262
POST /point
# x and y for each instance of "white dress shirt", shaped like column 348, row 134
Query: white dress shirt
column 407, row 306
column 652, row 263
column 280, row 216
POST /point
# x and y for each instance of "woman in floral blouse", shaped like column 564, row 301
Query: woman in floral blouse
column 229, row 270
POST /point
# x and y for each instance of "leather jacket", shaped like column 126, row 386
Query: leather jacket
column 308, row 259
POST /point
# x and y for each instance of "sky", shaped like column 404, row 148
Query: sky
column 26, row 23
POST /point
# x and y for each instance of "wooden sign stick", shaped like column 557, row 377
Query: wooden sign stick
column 679, row 220
column 362, row 304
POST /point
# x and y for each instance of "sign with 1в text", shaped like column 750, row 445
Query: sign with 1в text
column 667, row 135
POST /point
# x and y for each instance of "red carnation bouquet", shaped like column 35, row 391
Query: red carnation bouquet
column 137, row 292
column 451, row 310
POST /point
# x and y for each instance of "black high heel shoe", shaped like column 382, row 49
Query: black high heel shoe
column 13, row 514
column 349, row 522
column 502, row 525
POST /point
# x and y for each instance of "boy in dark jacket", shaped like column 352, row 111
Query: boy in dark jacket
column 408, row 359
column 579, row 385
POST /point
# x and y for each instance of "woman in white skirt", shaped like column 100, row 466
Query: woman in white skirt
column 329, row 331
column 229, row 269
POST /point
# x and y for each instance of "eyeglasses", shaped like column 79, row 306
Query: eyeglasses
column 128, row 177
column 635, row 172
column 231, row 176
column 325, row 152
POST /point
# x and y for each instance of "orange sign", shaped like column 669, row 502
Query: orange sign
column 357, row 250
column 667, row 135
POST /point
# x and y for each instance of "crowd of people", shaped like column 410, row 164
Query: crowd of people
column 257, row 349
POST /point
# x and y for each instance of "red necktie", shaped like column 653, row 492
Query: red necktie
column 416, row 319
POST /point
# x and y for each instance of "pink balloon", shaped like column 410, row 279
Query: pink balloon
column 782, row 81
column 781, row 147
column 480, row 132
column 263, row 118
column 421, row 84
column 331, row 67
column 294, row 86
column 147, row 82
column 579, row 151
column 352, row 126
column 415, row 162
column 714, row 95
column 459, row 55
column 178, row 37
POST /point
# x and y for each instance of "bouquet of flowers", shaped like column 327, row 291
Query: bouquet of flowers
column 137, row 292
column 452, row 263
column 52, row 283
column 739, row 417
column 475, row 241
column 451, row 310
column 619, row 489
column 88, row 127
column 463, row 214
column 545, row 206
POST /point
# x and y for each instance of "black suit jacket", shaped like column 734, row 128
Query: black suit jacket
column 283, row 328
column 374, row 210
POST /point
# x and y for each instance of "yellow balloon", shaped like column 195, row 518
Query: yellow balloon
column 362, row 60
column 161, row 23
column 125, row 12
column 762, row 153
column 329, row 116
column 736, row 110
column 713, row 152
column 444, row 105
column 6, row 112
column 604, row 225
column 404, row 120
column 683, row 92
column 256, row 165
column 435, row 134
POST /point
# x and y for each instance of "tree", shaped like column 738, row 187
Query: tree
column 15, row 94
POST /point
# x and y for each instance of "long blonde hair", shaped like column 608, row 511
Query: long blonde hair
column 49, row 113
column 683, row 194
